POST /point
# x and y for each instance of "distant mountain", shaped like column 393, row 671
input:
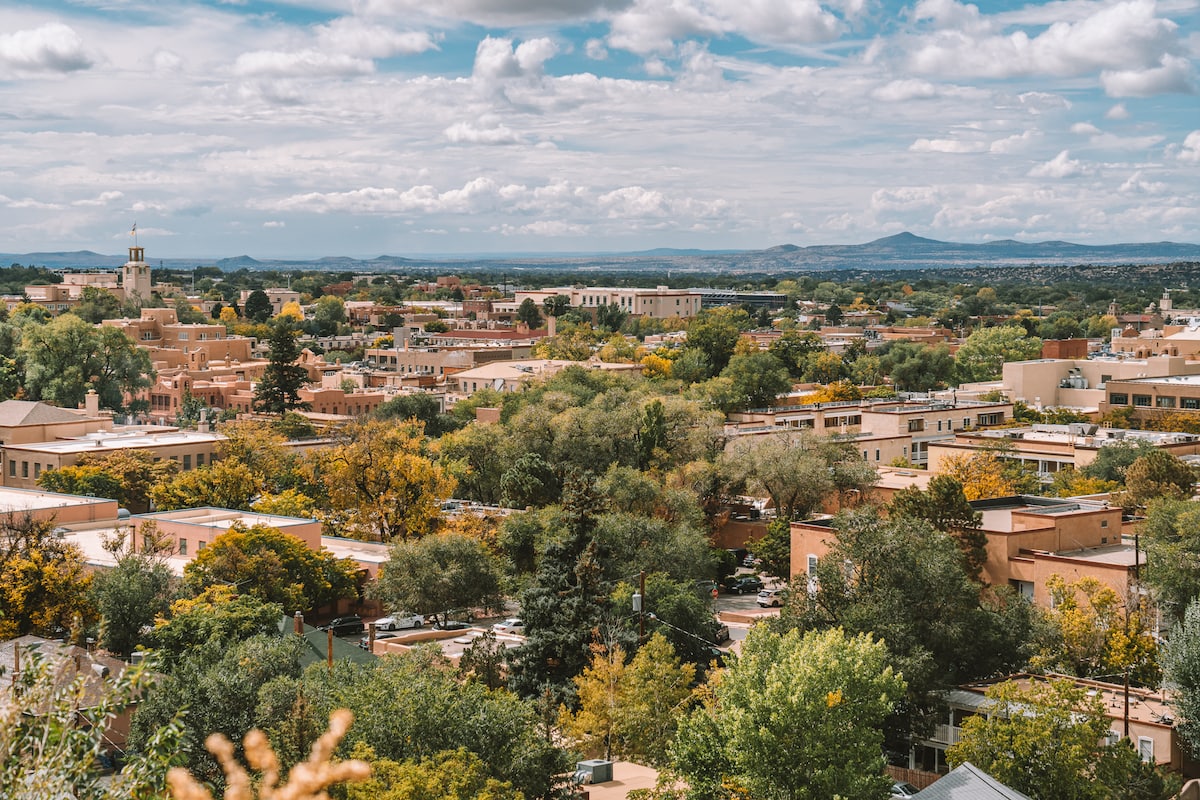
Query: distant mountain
column 902, row 251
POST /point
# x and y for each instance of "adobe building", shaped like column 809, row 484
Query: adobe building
column 1082, row 382
column 661, row 302
column 22, row 464
column 277, row 296
column 174, row 344
column 1028, row 540
column 1154, row 398
column 1151, row 720
column 1047, row 449
column 26, row 421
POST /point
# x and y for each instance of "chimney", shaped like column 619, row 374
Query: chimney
column 202, row 425
column 551, row 326
column 91, row 403
column 298, row 617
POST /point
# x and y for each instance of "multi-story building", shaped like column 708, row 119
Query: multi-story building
column 175, row 344
column 1152, row 398
column 1047, row 449
column 1028, row 540
column 660, row 303
column 22, row 464
column 278, row 297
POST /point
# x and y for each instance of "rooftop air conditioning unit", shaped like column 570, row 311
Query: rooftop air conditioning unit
column 594, row 771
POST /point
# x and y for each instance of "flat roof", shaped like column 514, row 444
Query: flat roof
column 101, row 441
column 363, row 552
column 224, row 518
column 1176, row 380
column 15, row 500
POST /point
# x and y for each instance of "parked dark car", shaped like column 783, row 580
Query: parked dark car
column 345, row 626
column 452, row 625
column 744, row 584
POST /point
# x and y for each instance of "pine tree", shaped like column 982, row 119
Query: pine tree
column 279, row 389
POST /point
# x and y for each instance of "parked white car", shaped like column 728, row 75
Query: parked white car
column 770, row 597
column 399, row 621
column 511, row 625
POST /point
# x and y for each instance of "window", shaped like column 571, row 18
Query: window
column 1142, row 400
column 37, row 470
column 199, row 459
column 1146, row 748
column 916, row 425
column 876, row 455
column 182, row 550
column 1165, row 402
column 187, row 461
column 939, row 426
column 12, row 467
column 1103, row 523
column 1189, row 402
column 966, row 422
column 24, row 469
column 1118, row 399
column 812, row 566
column 201, row 546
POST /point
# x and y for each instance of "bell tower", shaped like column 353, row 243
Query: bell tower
column 135, row 274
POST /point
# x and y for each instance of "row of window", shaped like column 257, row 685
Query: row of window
column 37, row 467
column 1149, row 401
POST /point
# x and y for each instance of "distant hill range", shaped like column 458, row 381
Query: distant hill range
column 904, row 251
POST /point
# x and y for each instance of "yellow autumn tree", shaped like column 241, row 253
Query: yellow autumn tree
column 655, row 366
column 292, row 309
column 988, row 474
column 381, row 482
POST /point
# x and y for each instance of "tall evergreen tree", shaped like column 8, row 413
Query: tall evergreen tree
column 279, row 389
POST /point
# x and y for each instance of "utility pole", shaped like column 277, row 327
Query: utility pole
column 641, row 606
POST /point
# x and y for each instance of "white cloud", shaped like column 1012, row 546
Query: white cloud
column 496, row 59
column 1084, row 129
column 1117, row 112
column 655, row 26
column 1123, row 36
column 466, row 133
column 947, row 146
column 1174, row 76
column 1136, row 184
column 1061, row 166
column 495, row 12
column 355, row 36
column 301, row 63
column 596, row 50
column 899, row 91
column 1190, row 151
column 274, row 223
column 53, row 47
column 102, row 200
column 1013, row 144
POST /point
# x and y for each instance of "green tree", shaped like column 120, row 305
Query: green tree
column 273, row 566
column 258, row 306
column 53, row 722
column 1114, row 458
column 412, row 707
column 791, row 469
column 218, row 684
column 758, row 378
column 987, row 350
column 66, row 357
column 224, row 484
column 1157, row 474
column 218, row 614
column 96, row 305
column 448, row 775
column 476, row 457
column 630, row 710
column 1171, row 537
column 129, row 597
column 528, row 313
column 714, row 333
column 610, row 317
column 1181, row 668
column 438, row 573
column 329, row 312
column 907, row 583
column 1046, row 739
column 916, row 367
column 796, row 718
column 529, row 482
column 419, row 406
column 556, row 306
column 793, row 349
column 652, row 434
column 279, row 388
column 944, row 505
column 127, row 476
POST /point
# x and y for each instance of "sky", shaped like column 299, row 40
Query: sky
column 306, row 128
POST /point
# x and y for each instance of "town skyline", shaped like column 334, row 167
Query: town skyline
column 596, row 126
